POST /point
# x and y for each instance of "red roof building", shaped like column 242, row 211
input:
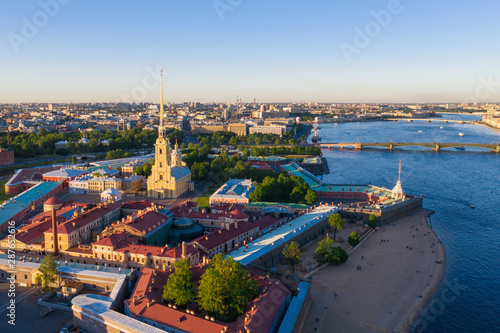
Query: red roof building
column 78, row 230
column 221, row 214
column 126, row 251
column 261, row 315
column 233, row 236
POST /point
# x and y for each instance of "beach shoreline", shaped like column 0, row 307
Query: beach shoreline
column 401, row 267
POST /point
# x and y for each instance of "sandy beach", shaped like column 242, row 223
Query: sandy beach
column 398, row 276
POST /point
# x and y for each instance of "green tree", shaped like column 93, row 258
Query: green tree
column 73, row 159
column 327, row 253
column 372, row 221
column 292, row 254
column 225, row 288
column 336, row 222
column 311, row 197
column 353, row 239
column 47, row 273
column 178, row 286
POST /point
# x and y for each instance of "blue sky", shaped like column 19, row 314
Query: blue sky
column 274, row 51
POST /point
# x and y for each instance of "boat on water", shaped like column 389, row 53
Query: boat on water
column 420, row 131
column 460, row 148
column 472, row 206
column 461, row 134
column 441, row 127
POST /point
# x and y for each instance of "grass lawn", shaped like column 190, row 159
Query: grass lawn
column 4, row 196
column 203, row 199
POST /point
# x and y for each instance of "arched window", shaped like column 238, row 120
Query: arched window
column 161, row 151
column 161, row 164
column 161, row 177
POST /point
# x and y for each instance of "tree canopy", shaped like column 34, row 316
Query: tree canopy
column 225, row 288
column 27, row 145
column 283, row 188
column 327, row 253
column 372, row 221
column 292, row 254
column 47, row 273
column 353, row 239
column 336, row 222
column 178, row 287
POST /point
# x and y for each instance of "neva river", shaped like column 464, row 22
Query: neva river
column 450, row 181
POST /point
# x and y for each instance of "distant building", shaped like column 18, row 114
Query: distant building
column 233, row 191
column 129, row 168
column 79, row 185
column 97, row 185
column 62, row 174
column 240, row 129
column 275, row 129
column 6, row 157
column 111, row 194
column 61, row 144
column 132, row 183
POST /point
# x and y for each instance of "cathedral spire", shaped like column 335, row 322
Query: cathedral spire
column 161, row 128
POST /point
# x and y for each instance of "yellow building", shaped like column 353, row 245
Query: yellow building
column 132, row 183
column 240, row 129
column 170, row 177
column 100, row 184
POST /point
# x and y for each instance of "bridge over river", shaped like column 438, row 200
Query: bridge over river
column 392, row 145
column 431, row 120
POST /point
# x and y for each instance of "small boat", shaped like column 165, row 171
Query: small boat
column 461, row 134
column 441, row 127
column 460, row 148
column 420, row 131
column 472, row 206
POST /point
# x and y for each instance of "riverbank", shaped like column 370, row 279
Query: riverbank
column 486, row 125
column 402, row 266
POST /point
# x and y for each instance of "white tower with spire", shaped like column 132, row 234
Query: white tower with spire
column 397, row 191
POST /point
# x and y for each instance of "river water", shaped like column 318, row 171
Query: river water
column 450, row 181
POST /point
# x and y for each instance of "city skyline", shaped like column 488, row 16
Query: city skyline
column 214, row 51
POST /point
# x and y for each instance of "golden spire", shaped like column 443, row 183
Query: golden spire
column 161, row 128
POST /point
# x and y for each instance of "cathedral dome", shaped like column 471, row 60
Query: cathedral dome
column 176, row 153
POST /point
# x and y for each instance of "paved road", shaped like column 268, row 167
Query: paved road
column 28, row 312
